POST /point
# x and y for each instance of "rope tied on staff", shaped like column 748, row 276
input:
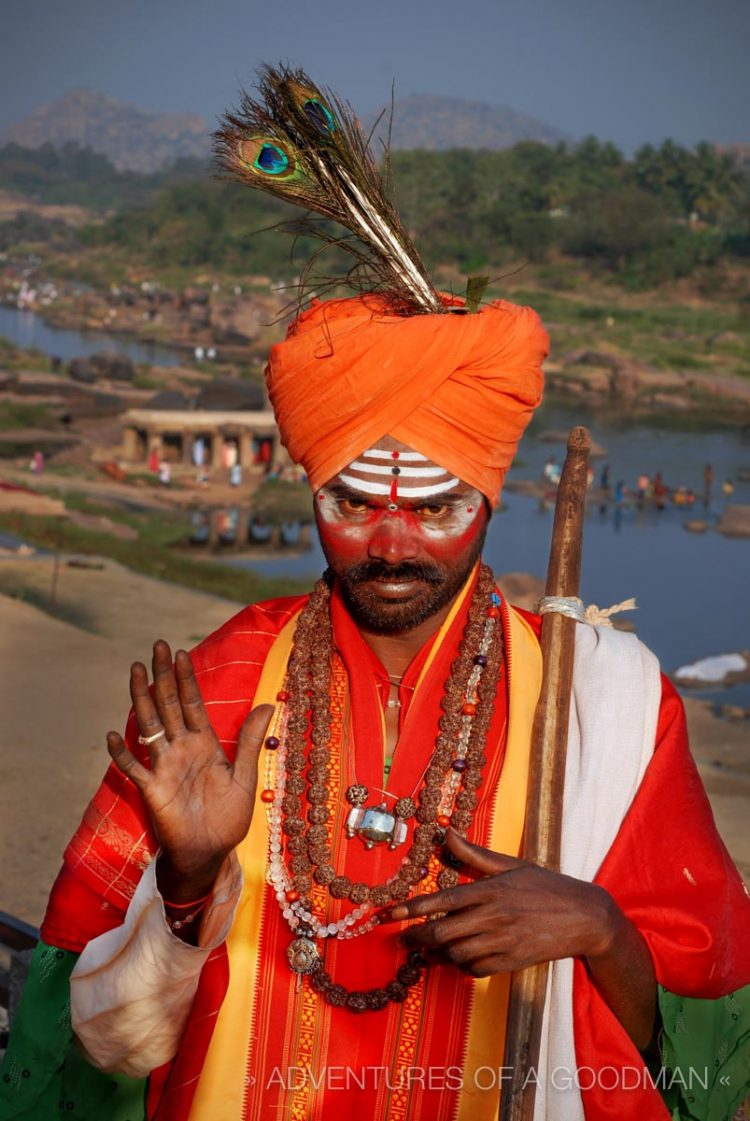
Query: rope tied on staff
column 573, row 608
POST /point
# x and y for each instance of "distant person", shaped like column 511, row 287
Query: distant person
column 708, row 484
column 37, row 462
column 235, row 475
column 660, row 491
column 153, row 461
column 165, row 474
column 604, row 490
column 199, row 451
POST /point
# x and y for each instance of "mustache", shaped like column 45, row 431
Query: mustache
column 366, row 571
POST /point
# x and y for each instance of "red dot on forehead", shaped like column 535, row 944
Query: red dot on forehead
column 395, row 455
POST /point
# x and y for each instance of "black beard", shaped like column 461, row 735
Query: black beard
column 384, row 616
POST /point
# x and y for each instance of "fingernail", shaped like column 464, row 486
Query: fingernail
column 450, row 859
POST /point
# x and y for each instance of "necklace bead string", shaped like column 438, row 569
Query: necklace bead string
column 299, row 800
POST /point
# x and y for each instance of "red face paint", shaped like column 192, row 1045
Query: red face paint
column 440, row 536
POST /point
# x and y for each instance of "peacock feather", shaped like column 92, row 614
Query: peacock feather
column 304, row 145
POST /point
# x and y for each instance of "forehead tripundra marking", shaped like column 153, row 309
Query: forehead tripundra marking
column 407, row 470
column 384, row 489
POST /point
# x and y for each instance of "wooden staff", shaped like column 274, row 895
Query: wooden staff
column 543, row 827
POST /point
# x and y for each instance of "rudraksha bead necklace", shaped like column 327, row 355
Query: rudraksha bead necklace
column 447, row 797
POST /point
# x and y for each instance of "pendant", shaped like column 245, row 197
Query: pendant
column 303, row 955
column 376, row 825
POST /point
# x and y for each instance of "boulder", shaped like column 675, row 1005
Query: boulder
column 238, row 322
column 735, row 521
column 720, row 670
column 105, row 364
column 230, row 394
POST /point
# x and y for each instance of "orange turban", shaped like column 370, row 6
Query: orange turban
column 458, row 388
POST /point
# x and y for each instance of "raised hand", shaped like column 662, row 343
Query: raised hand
column 516, row 914
column 201, row 804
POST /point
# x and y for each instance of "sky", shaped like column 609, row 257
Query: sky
column 631, row 71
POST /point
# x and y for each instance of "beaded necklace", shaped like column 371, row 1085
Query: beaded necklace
column 297, row 777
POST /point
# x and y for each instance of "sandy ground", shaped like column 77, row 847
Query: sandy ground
column 62, row 687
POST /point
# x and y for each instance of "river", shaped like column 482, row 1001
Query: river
column 26, row 329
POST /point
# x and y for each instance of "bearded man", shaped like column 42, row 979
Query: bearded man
column 389, row 787
column 297, row 893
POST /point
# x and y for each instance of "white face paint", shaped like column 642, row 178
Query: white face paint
column 390, row 472
column 389, row 479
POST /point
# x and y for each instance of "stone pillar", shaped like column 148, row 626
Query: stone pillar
column 217, row 443
column 153, row 442
column 130, row 444
column 245, row 448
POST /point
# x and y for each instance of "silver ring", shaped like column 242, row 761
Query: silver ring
column 148, row 740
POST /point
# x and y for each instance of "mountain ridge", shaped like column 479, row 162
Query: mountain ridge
column 437, row 122
column 133, row 139
column 145, row 141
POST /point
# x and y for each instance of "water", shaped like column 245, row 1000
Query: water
column 26, row 329
column 691, row 588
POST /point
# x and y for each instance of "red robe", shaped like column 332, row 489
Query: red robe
column 691, row 924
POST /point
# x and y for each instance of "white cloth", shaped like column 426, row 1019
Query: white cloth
column 613, row 717
column 132, row 988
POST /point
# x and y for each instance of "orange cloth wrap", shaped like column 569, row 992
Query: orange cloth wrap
column 460, row 389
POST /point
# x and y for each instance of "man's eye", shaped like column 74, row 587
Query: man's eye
column 352, row 506
column 432, row 511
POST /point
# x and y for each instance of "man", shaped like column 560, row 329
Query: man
column 401, row 695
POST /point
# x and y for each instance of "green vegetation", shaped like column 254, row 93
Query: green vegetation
column 14, row 357
column 153, row 554
column 659, row 216
column 283, row 501
column 78, row 176
column 17, row 414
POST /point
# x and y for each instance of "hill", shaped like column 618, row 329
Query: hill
column 136, row 140
column 133, row 139
column 430, row 122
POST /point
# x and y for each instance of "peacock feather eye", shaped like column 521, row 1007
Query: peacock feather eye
column 272, row 160
column 266, row 156
column 320, row 115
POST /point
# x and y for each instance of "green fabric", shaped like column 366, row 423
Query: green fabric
column 705, row 1042
column 44, row 1075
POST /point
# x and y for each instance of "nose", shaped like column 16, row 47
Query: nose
column 393, row 541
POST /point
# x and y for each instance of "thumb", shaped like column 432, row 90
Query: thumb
column 474, row 856
column 252, row 735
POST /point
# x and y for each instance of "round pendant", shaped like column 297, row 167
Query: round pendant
column 303, row 955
